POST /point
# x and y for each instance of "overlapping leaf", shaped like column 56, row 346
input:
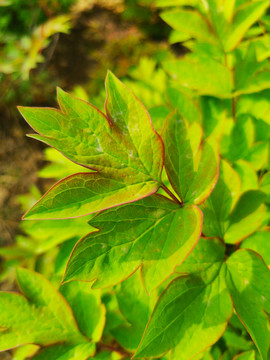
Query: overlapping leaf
column 241, row 139
column 246, row 217
column 248, row 355
column 185, row 105
column 248, row 280
column 41, row 316
column 251, row 75
column 248, row 176
column 67, row 352
column 193, row 311
column 122, row 147
column 136, row 306
column 154, row 233
column 231, row 24
column 260, row 243
column 227, row 214
column 203, row 74
column 190, row 23
column 192, row 167
column 87, row 308
column 224, row 24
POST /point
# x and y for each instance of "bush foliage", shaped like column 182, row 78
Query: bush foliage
column 156, row 233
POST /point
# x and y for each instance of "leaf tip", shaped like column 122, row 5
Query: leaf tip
column 22, row 110
column 110, row 77
column 59, row 91
column 20, row 271
column 26, row 215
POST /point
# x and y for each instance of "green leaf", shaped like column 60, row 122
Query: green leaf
column 214, row 115
column 202, row 74
column 247, row 175
column 229, row 216
column 203, row 259
column 86, row 193
column 185, row 105
column 24, row 352
column 62, row 257
column 248, row 355
column 44, row 235
column 246, row 217
column 191, row 23
column 165, row 3
column 192, row 313
column 265, row 185
column 87, row 307
column 258, row 155
column 42, row 316
column 59, row 166
column 67, row 352
column 241, row 139
column 244, row 17
column 158, row 115
column 178, row 36
column 192, row 167
column 129, row 117
column 256, row 105
column 122, row 146
column 129, row 237
column 136, row 306
column 248, row 280
column 259, row 242
column 235, row 340
column 250, row 74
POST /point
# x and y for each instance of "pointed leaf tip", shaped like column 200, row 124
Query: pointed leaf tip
column 59, row 90
column 110, row 74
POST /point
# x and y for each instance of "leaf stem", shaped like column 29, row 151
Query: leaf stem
column 172, row 196
column 120, row 351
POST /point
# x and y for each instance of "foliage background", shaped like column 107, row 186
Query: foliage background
column 71, row 44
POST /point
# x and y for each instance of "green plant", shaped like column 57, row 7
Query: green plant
column 182, row 281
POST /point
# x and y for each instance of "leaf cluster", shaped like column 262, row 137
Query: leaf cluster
column 174, row 265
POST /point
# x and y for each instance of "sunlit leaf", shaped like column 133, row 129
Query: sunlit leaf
column 192, row 166
column 191, row 23
column 67, row 352
column 87, row 308
column 122, row 146
column 193, row 311
column 248, row 279
column 129, row 237
column 246, row 217
column 244, row 17
column 136, row 306
column 259, row 242
column 39, row 316
column 202, row 74
column 248, row 355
